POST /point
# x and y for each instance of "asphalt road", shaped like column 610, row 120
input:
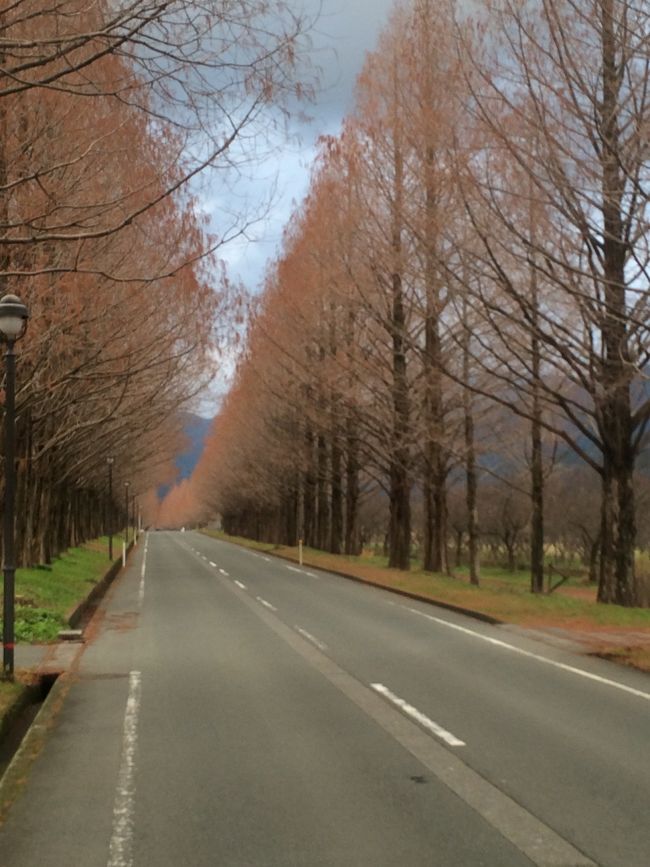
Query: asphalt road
column 232, row 709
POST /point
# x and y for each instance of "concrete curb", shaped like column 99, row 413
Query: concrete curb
column 77, row 614
column 418, row 597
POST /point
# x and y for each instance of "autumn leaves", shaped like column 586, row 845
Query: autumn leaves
column 108, row 112
column 462, row 298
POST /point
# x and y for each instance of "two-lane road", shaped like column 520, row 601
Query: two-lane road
column 264, row 714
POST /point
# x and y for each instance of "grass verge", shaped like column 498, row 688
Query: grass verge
column 45, row 598
column 502, row 595
column 46, row 595
column 9, row 695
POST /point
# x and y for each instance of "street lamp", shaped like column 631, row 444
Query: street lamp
column 13, row 324
column 109, row 516
column 126, row 522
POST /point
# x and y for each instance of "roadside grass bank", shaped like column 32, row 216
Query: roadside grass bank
column 621, row 634
column 15, row 696
column 10, row 693
column 46, row 595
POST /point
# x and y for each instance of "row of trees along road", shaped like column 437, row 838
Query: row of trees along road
column 467, row 281
column 108, row 113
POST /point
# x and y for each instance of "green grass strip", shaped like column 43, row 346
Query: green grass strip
column 46, row 595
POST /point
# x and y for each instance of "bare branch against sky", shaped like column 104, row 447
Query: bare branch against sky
column 344, row 32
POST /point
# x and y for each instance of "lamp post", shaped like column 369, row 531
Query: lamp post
column 126, row 522
column 13, row 323
column 109, row 462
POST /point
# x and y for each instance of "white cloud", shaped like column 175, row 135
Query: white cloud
column 267, row 191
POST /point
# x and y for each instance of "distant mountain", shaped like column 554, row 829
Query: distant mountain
column 196, row 429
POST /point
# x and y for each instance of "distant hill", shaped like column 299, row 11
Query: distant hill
column 196, row 429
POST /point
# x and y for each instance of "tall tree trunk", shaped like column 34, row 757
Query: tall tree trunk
column 300, row 506
column 336, row 527
column 323, row 503
column 336, row 530
column 351, row 488
column 537, row 465
column 311, row 537
column 434, row 486
column 618, row 525
column 399, row 541
column 471, row 479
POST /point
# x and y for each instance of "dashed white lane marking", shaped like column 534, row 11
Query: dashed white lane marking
column 121, row 845
column 223, row 572
column 319, row 644
column 302, row 572
column 240, row 585
column 418, row 716
column 214, row 565
column 561, row 665
column 541, row 845
column 266, row 604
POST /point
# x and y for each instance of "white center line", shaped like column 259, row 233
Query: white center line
column 266, row 604
column 561, row 665
column 240, row 585
column 319, row 644
column 417, row 715
column 121, row 845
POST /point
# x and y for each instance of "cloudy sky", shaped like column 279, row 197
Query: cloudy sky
column 272, row 187
column 344, row 32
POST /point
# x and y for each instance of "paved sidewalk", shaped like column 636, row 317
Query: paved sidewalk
column 46, row 658
column 59, row 801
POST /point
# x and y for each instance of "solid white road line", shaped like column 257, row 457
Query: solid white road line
column 266, row 604
column 319, row 644
column 561, row 665
column 240, row 585
column 121, row 845
column 417, row 715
